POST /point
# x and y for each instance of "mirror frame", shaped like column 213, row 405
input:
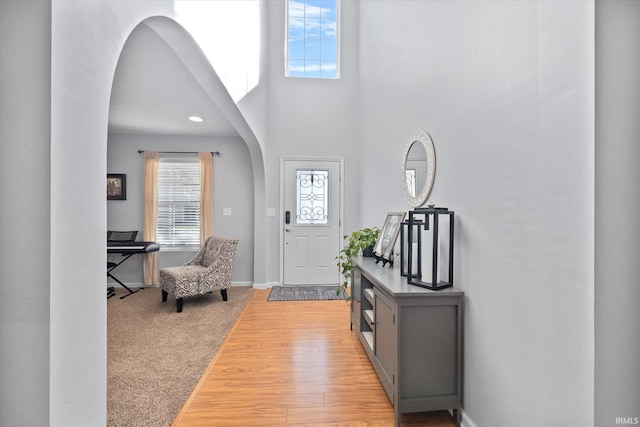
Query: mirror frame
column 425, row 139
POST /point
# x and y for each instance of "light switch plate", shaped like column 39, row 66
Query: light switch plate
column 226, row 211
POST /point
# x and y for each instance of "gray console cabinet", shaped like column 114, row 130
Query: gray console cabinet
column 413, row 337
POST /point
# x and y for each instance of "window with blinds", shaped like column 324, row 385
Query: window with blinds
column 178, row 200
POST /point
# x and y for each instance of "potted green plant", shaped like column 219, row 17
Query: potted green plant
column 359, row 241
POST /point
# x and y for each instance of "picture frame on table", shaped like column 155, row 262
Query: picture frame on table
column 383, row 249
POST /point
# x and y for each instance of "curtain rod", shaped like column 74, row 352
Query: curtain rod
column 213, row 153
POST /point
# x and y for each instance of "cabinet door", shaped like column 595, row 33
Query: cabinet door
column 429, row 351
column 356, row 295
column 386, row 339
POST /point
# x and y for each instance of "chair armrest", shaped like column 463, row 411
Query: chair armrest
column 221, row 269
column 197, row 259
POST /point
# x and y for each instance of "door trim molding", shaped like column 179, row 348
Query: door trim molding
column 283, row 159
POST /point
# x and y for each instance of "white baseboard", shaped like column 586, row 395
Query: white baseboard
column 467, row 421
column 140, row 285
column 131, row 285
column 239, row 284
column 267, row 285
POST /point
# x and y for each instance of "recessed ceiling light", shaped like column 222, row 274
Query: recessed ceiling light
column 196, row 119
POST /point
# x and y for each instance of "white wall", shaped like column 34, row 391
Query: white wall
column 86, row 41
column 25, row 108
column 233, row 189
column 617, row 336
column 506, row 91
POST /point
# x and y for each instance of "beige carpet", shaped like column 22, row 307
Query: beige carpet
column 156, row 356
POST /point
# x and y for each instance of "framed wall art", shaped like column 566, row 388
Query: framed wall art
column 116, row 186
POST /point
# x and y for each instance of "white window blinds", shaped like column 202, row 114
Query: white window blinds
column 178, row 200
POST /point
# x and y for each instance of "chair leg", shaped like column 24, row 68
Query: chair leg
column 224, row 294
column 164, row 295
column 179, row 304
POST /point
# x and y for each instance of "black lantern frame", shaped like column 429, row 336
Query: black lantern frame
column 405, row 243
column 414, row 220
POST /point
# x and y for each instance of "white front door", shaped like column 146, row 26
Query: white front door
column 311, row 222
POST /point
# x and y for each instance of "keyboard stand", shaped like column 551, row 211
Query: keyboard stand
column 112, row 266
column 127, row 249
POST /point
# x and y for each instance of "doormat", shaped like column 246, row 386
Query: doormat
column 306, row 293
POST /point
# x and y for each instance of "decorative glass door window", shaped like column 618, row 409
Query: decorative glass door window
column 312, row 197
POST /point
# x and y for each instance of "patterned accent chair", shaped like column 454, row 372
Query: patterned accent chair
column 211, row 269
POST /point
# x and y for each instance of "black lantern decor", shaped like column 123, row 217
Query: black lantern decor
column 434, row 246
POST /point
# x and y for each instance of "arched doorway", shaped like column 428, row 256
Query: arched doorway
column 149, row 109
column 161, row 78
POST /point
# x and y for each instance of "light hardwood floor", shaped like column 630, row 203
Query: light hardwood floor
column 293, row 364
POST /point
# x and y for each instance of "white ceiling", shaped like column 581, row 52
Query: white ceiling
column 154, row 93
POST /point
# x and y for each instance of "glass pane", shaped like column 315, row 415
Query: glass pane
column 311, row 28
column 312, row 9
column 314, row 4
column 296, row 68
column 328, row 49
column 312, row 50
column 296, row 28
column 311, row 68
column 296, row 49
column 328, row 23
column 296, row 8
column 328, row 9
column 328, row 69
column 312, row 191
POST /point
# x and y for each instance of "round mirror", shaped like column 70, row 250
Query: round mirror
column 418, row 168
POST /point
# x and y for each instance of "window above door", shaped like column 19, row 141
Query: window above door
column 312, row 48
